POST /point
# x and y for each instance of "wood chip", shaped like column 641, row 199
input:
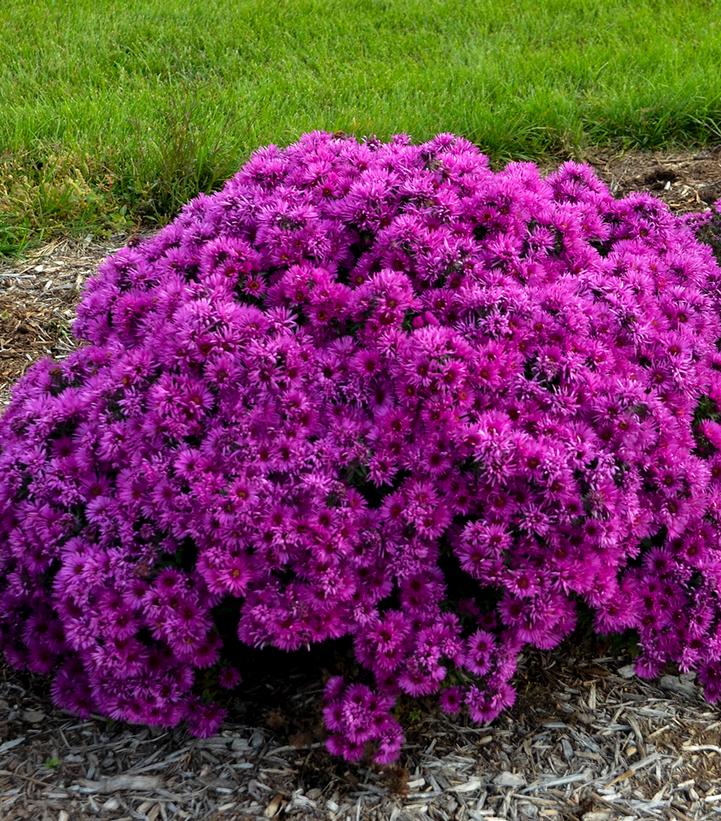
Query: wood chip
column 119, row 783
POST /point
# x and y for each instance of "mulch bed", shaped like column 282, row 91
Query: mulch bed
column 586, row 739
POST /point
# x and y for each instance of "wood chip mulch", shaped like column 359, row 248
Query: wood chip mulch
column 586, row 739
column 38, row 295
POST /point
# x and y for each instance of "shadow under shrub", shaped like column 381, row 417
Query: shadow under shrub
column 373, row 391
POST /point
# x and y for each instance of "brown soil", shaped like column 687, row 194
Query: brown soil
column 687, row 181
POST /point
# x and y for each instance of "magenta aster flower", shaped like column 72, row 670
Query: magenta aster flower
column 375, row 391
column 229, row 677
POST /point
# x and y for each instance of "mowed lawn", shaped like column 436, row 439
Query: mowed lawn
column 113, row 111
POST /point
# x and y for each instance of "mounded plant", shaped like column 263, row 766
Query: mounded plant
column 380, row 391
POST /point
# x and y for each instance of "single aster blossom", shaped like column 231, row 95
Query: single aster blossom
column 229, row 678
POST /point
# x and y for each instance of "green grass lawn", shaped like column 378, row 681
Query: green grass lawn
column 113, row 111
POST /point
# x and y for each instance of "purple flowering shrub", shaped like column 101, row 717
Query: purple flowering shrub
column 375, row 391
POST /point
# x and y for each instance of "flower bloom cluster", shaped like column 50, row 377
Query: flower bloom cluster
column 380, row 391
